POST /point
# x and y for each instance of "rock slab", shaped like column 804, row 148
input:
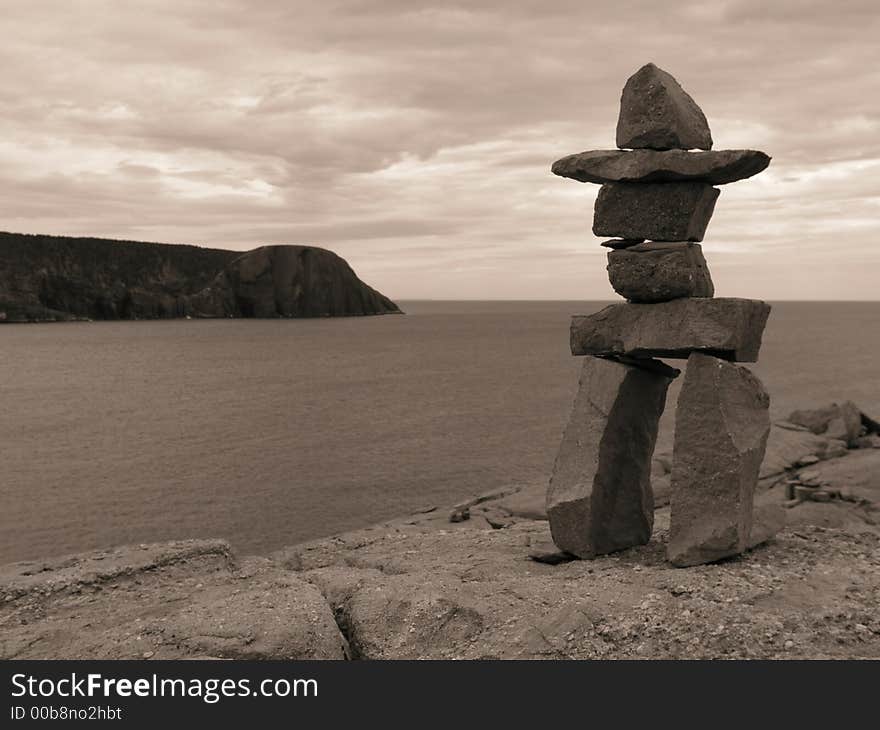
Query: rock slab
column 189, row 599
column 677, row 211
column 721, row 426
column 600, row 499
column 651, row 166
column 725, row 327
column 660, row 272
column 656, row 113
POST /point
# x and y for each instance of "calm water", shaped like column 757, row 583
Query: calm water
column 272, row 432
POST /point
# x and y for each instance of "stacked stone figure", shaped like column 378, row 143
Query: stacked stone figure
column 656, row 199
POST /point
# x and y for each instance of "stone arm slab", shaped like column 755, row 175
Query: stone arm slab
column 724, row 327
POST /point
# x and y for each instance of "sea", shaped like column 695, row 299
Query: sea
column 271, row 432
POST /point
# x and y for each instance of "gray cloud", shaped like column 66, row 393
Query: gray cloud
column 415, row 138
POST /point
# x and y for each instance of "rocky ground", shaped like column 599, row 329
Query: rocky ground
column 468, row 583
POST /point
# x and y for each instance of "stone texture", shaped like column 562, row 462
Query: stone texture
column 725, row 327
column 181, row 600
column 659, row 272
column 869, row 441
column 837, row 421
column 768, row 519
column 644, row 166
column 417, row 587
column 656, row 113
column 654, row 211
column 788, row 447
column 599, row 499
column 721, row 428
column 276, row 615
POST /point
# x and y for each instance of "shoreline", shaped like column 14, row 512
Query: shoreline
column 476, row 580
column 789, row 447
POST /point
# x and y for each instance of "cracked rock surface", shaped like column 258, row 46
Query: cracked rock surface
column 422, row 587
column 186, row 599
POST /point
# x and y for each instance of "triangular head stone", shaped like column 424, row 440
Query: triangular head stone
column 656, row 113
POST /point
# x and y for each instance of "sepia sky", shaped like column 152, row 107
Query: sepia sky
column 415, row 139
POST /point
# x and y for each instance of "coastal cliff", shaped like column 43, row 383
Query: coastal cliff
column 57, row 278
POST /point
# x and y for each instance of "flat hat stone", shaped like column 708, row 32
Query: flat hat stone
column 647, row 166
column 656, row 113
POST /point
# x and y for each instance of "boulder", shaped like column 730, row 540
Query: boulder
column 787, row 447
column 725, row 327
column 659, row 272
column 837, row 421
column 178, row 600
column 275, row 615
column 645, row 166
column 654, row 211
column 600, row 498
column 844, row 429
column 721, row 428
column 656, row 113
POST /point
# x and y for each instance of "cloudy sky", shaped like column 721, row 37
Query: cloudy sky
column 415, row 138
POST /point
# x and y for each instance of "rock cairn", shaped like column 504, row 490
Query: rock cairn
column 656, row 199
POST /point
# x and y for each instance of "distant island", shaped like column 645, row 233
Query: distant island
column 60, row 278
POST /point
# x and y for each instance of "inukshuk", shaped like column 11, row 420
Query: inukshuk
column 656, row 200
